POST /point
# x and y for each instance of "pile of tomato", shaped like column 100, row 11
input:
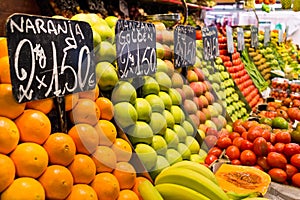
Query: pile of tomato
column 257, row 145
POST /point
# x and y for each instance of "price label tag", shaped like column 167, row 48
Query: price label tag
column 267, row 36
column 49, row 57
column 184, row 46
column 254, row 37
column 280, row 36
column 136, row 48
column 286, row 32
column 240, row 39
column 230, row 46
column 210, row 42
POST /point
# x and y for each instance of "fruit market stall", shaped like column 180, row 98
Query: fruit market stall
column 98, row 104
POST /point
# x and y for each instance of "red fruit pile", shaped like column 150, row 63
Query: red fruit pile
column 254, row 144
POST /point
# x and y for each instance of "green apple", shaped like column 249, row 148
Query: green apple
column 124, row 91
column 177, row 80
column 106, row 76
column 188, row 127
column 175, row 97
column 163, row 81
column 159, row 144
column 166, row 99
column 211, row 124
column 161, row 164
column 81, row 17
column 95, row 19
column 104, row 31
column 147, row 155
column 96, row 39
column 158, row 123
column 125, row 114
column 106, row 52
column 143, row 108
column 156, row 103
column 196, row 158
column 178, row 114
column 184, row 151
column 111, row 21
column 150, row 86
column 173, row 156
column 181, row 133
column 171, row 138
column 169, row 118
column 192, row 144
column 140, row 132
column 159, row 50
column 161, row 66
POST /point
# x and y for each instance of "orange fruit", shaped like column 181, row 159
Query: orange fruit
column 85, row 138
column 30, row 159
column 90, row 94
column 5, row 70
column 60, row 148
column 105, row 159
column 126, row 175
column 83, row 169
column 127, row 195
column 3, row 47
column 107, row 132
column 106, row 186
column 9, row 135
column 24, row 188
column 57, row 181
column 135, row 188
column 85, row 111
column 106, row 108
column 34, row 126
column 70, row 101
column 122, row 150
column 7, row 172
column 82, row 191
column 8, row 105
column 43, row 105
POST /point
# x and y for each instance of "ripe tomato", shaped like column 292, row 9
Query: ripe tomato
column 233, row 152
column 237, row 122
column 210, row 158
column 248, row 124
column 262, row 162
column 279, row 147
column 266, row 134
column 236, row 162
column 215, row 151
column 248, row 158
column 276, row 160
column 295, row 160
column 272, row 138
column 271, row 148
column 260, row 146
column 239, row 129
column 290, row 170
column 296, row 180
column 258, row 167
column 210, row 140
column 254, row 132
column 246, row 145
column 224, row 142
column 233, row 135
column 237, row 141
column 284, row 137
column 244, row 135
column 278, row 175
column 291, row 148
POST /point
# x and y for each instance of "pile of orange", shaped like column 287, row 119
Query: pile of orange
column 90, row 161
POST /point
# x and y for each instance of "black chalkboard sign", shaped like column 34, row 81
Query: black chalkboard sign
column 267, row 36
column 184, row 46
column 49, row 57
column 210, row 42
column 230, row 46
column 254, row 37
column 240, row 39
column 136, row 48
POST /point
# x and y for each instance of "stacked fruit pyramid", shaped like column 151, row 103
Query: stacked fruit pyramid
column 92, row 160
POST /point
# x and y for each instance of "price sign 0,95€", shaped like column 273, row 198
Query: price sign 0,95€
column 49, row 57
column 136, row 48
column 210, row 42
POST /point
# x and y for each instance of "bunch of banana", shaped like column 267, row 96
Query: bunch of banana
column 188, row 180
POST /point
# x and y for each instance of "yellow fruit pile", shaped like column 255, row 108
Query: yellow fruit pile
column 90, row 161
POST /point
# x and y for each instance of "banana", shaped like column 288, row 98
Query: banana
column 192, row 180
column 148, row 191
column 197, row 167
column 171, row 191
